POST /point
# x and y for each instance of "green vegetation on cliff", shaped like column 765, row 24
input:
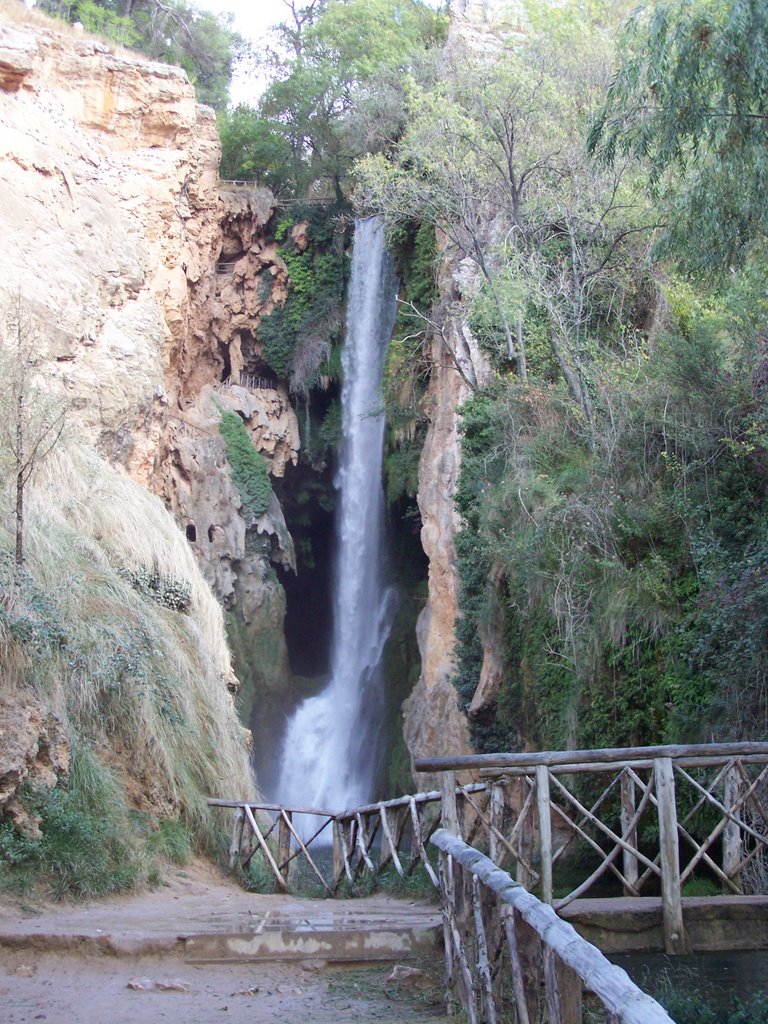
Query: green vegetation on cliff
column 299, row 337
column 172, row 31
column 248, row 467
column 612, row 488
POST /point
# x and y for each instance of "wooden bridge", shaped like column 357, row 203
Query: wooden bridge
column 600, row 841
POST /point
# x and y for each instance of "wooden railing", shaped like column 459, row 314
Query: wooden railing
column 252, row 381
column 650, row 817
column 366, row 839
column 642, row 820
column 504, row 948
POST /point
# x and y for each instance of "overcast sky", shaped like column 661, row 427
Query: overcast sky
column 253, row 19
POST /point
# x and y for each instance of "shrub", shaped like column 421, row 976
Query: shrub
column 249, row 468
column 167, row 591
column 87, row 846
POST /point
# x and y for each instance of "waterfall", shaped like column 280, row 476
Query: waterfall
column 331, row 750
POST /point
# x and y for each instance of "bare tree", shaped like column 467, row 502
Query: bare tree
column 31, row 418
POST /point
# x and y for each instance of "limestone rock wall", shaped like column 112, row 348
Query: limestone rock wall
column 146, row 277
column 433, row 724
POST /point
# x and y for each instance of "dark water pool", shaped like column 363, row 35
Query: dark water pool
column 715, row 977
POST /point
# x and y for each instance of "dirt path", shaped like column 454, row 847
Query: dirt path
column 72, row 989
column 119, row 961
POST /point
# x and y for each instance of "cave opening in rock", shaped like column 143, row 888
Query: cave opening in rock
column 191, row 533
column 309, row 515
column 226, row 362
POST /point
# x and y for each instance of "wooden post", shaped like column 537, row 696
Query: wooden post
column 733, row 851
column 525, row 842
column 563, row 990
column 495, row 848
column 447, row 938
column 481, row 949
column 284, row 844
column 525, row 954
column 448, row 905
column 449, row 812
column 264, row 847
column 238, row 822
column 671, row 897
column 628, row 808
column 545, row 831
column 338, row 854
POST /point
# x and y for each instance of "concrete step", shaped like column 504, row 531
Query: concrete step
column 209, row 924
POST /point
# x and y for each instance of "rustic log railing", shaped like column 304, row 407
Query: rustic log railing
column 502, row 943
column 249, row 380
column 363, row 840
column 649, row 816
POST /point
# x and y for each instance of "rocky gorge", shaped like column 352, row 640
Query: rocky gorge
column 148, row 278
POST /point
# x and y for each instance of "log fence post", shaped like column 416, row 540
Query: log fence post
column 284, row 844
column 628, row 807
column 543, row 805
column 496, row 849
column 525, row 956
column 481, row 952
column 563, row 989
column 449, row 812
column 733, row 851
column 669, row 852
column 238, row 823
column 525, row 842
column 338, row 852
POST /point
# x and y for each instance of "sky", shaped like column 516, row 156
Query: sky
column 253, row 19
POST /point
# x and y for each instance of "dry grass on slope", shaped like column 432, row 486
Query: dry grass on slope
column 115, row 628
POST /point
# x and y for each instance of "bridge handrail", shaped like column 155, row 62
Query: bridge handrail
column 626, row 1003
column 354, row 832
column 399, row 801
column 589, row 758
column 631, row 820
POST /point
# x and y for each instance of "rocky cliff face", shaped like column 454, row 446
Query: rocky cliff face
column 433, row 724
column 146, row 277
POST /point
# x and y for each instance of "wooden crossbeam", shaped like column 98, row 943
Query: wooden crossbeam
column 419, row 844
column 265, row 848
column 392, row 854
column 629, row 829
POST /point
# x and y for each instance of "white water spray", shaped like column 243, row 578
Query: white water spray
column 331, row 750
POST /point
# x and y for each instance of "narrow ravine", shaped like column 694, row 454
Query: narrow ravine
column 331, row 749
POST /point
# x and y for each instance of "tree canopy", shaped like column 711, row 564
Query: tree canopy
column 691, row 98
column 321, row 63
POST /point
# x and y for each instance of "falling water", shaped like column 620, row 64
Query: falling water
column 330, row 752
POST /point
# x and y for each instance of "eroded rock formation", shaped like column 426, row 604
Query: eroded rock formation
column 145, row 278
column 33, row 750
column 433, row 723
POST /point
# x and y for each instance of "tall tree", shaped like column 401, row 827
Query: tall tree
column 691, row 98
column 31, row 419
column 324, row 56
column 493, row 155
